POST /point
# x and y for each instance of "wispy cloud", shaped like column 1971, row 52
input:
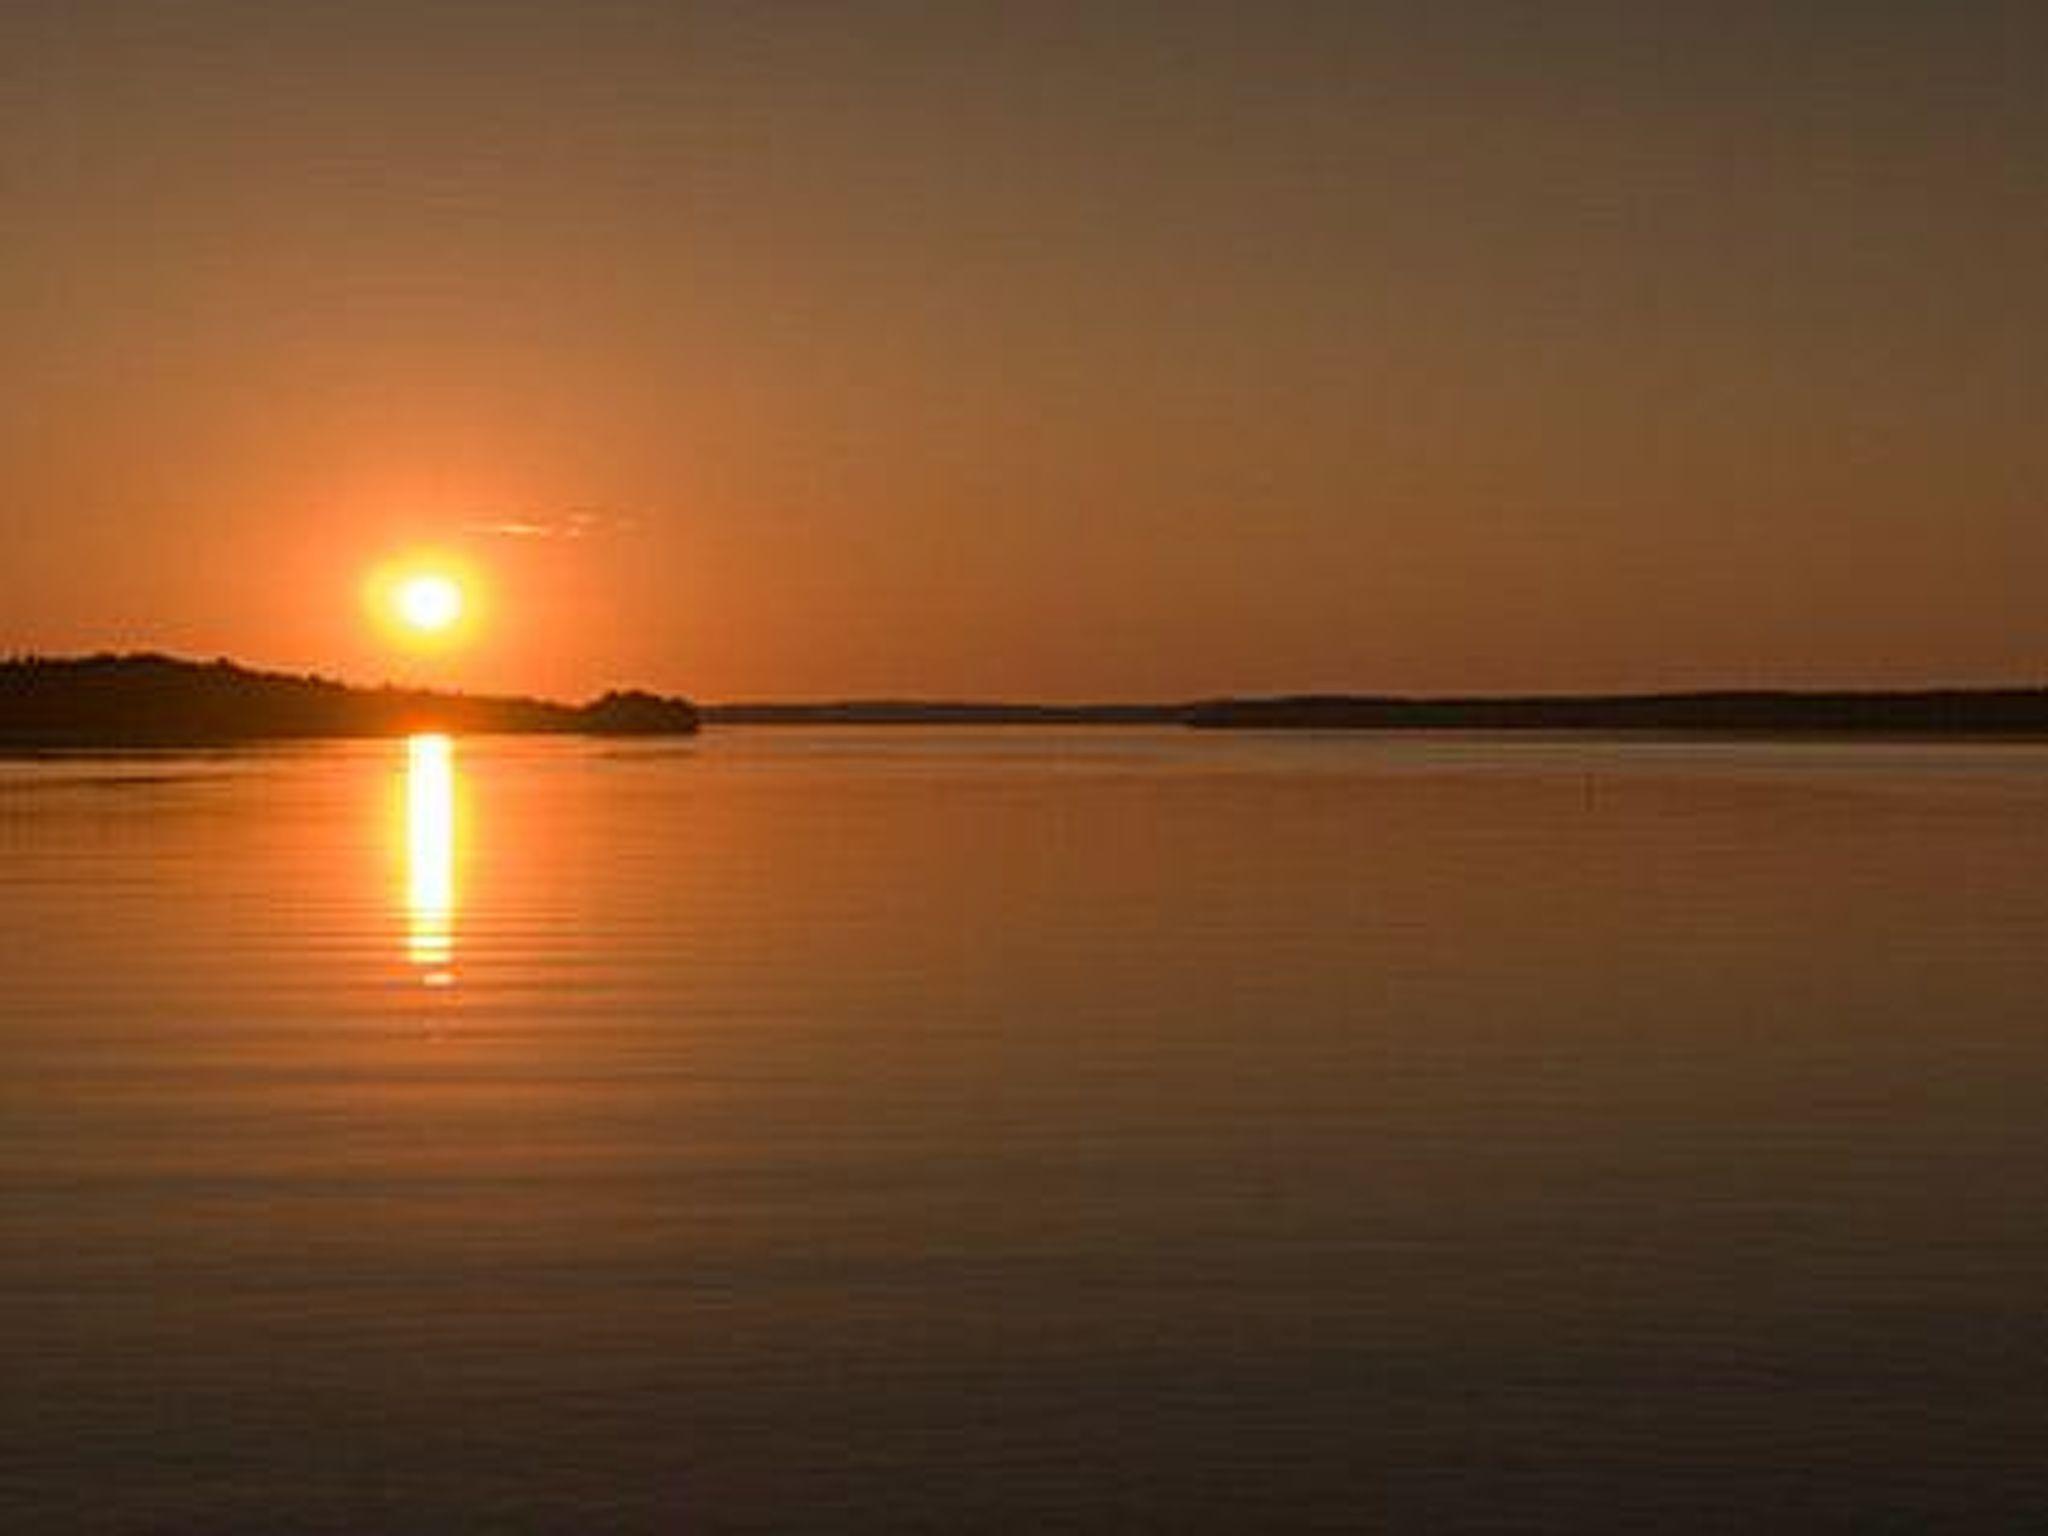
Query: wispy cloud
column 576, row 523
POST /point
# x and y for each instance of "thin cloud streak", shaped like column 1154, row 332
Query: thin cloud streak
column 578, row 524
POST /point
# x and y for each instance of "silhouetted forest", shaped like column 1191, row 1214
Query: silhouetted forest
column 1989, row 712
column 1984, row 712
column 153, row 700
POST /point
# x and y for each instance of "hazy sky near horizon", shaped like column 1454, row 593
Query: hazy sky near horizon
column 1140, row 349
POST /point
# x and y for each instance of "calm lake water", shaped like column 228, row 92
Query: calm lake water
column 1025, row 1130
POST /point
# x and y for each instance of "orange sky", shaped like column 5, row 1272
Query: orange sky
column 1147, row 350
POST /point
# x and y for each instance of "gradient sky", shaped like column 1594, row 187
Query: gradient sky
column 1142, row 349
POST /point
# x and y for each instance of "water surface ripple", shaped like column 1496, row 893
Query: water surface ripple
column 1024, row 1130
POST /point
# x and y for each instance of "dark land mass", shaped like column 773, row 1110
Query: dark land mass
column 156, row 701
column 1936, row 712
column 943, row 712
column 153, row 700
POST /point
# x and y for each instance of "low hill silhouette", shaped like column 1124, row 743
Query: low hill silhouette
column 155, row 700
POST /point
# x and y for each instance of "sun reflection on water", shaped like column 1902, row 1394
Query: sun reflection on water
column 430, row 857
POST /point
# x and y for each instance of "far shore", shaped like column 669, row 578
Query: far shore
column 152, row 700
column 1988, row 713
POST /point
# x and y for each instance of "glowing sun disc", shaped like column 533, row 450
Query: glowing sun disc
column 427, row 603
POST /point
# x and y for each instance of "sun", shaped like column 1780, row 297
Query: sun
column 423, row 601
column 429, row 603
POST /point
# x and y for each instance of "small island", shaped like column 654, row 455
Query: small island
column 152, row 700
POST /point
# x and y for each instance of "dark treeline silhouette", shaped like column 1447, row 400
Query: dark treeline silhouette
column 156, row 700
column 153, row 700
column 1987, row 712
column 1949, row 712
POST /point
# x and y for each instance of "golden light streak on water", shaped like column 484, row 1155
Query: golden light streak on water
column 430, row 857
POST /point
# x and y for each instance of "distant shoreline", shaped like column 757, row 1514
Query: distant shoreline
column 153, row 700
column 2000, row 713
column 1987, row 712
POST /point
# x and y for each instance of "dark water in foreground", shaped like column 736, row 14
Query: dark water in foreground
column 1025, row 1131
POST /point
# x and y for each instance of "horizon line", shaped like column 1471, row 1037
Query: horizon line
column 941, row 701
